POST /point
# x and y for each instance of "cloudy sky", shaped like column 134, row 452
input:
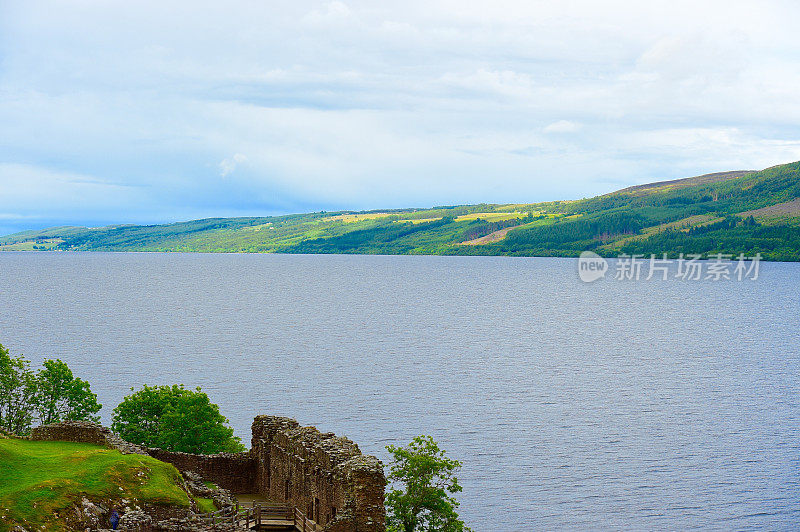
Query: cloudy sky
column 143, row 112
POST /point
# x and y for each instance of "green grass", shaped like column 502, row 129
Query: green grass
column 41, row 479
column 32, row 245
column 490, row 216
column 205, row 506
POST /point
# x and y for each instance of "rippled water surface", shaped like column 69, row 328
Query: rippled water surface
column 613, row 405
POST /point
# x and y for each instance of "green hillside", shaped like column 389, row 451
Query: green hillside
column 42, row 482
column 729, row 212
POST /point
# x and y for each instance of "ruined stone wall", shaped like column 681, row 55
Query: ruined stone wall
column 323, row 475
column 85, row 432
column 232, row 471
column 72, row 431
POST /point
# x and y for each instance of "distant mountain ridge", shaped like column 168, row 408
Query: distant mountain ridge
column 705, row 179
column 725, row 212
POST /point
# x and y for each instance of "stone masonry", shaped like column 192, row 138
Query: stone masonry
column 235, row 472
column 325, row 476
column 85, row 432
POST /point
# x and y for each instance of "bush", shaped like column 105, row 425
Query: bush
column 175, row 419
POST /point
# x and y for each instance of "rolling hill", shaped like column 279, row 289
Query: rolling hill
column 46, row 485
column 727, row 212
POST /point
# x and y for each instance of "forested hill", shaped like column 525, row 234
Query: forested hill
column 730, row 212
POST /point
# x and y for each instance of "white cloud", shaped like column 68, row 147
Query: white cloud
column 365, row 104
column 562, row 126
column 29, row 188
column 331, row 13
column 15, row 216
column 228, row 166
column 492, row 83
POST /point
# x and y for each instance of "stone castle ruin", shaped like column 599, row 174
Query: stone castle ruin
column 323, row 475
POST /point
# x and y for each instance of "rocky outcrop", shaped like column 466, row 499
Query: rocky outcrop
column 94, row 515
column 134, row 519
column 196, row 485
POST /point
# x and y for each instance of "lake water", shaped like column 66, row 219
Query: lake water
column 612, row 405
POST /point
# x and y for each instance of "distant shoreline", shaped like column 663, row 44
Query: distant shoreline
column 726, row 212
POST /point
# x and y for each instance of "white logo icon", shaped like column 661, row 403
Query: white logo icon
column 591, row 267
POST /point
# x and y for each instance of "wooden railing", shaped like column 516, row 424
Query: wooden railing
column 259, row 513
column 303, row 523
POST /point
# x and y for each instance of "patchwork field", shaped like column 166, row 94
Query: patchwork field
column 43, row 244
column 728, row 212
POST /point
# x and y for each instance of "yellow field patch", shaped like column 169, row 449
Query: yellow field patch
column 48, row 243
column 348, row 218
column 420, row 220
column 492, row 216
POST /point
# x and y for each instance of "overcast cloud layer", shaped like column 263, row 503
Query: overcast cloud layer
column 144, row 112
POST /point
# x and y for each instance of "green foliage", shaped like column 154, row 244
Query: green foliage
column 576, row 234
column 39, row 479
column 480, row 228
column 175, row 419
column 60, row 396
column 773, row 242
column 384, row 238
column 17, row 393
column 50, row 395
column 559, row 228
column 427, row 478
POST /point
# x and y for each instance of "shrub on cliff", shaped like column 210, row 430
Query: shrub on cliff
column 175, row 419
column 426, row 502
column 50, row 395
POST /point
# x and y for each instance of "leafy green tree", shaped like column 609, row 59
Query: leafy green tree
column 50, row 395
column 137, row 418
column 60, row 396
column 175, row 419
column 426, row 502
column 17, row 391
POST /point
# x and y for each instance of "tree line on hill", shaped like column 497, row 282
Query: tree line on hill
column 480, row 227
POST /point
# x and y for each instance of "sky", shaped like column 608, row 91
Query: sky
column 149, row 112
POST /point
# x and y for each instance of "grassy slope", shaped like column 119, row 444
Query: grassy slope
column 694, row 215
column 38, row 479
